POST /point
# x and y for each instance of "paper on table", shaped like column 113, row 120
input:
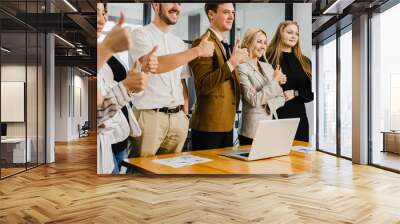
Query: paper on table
column 181, row 161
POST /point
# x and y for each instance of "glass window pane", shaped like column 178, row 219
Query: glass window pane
column 327, row 97
column 385, row 84
column 31, row 98
column 346, row 94
column 13, row 87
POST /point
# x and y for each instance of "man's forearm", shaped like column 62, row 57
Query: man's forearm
column 103, row 54
column 170, row 62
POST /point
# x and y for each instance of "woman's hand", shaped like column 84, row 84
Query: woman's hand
column 289, row 94
column 278, row 76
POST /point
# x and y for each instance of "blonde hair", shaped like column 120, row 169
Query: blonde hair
column 274, row 50
column 249, row 37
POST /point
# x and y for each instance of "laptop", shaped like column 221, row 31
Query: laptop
column 3, row 131
column 273, row 138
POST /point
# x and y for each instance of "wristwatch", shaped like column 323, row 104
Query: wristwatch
column 296, row 93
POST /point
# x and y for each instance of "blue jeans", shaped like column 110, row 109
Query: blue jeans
column 119, row 157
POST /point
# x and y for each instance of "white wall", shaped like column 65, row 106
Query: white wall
column 302, row 14
column 33, row 126
column 181, row 28
column 68, row 80
column 131, row 11
column 17, row 73
column 266, row 16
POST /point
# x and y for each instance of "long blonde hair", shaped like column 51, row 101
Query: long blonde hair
column 274, row 50
column 248, row 39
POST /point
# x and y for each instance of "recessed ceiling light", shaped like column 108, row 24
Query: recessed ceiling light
column 328, row 10
column 84, row 71
column 70, row 5
column 5, row 50
column 64, row 40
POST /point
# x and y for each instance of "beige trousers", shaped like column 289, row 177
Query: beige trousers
column 160, row 130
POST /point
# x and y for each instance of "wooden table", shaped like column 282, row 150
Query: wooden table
column 295, row 162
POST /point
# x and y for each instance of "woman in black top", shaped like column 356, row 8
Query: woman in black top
column 284, row 50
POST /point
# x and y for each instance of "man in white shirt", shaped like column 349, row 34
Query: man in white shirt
column 161, row 109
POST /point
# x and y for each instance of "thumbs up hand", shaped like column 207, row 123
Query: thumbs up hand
column 118, row 39
column 206, row 47
column 136, row 80
column 279, row 76
column 150, row 61
column 239, row 55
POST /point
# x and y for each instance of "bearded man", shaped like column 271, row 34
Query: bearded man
column 162, row 108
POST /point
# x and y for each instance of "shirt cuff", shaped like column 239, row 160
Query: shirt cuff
column 121, row 94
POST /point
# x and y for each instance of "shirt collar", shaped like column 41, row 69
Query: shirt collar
column 220, row 38
column 154, row 27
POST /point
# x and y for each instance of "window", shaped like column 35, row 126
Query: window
column 22, row 72
column 346, row 94
column 385, row 86
column 327, row 96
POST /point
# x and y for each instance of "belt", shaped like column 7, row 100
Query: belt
column 169, row 110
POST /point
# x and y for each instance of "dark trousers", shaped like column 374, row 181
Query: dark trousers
column 243, row 140
column 210, row 140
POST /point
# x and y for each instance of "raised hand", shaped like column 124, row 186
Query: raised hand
column 279, row 76
column 239, row 55
column 118, row 39
column 136, row 80
column 206, row 47
column 150, row 61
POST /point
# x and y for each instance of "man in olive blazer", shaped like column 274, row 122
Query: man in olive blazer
column 217, row 84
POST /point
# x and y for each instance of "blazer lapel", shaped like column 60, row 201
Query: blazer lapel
column 219, row 44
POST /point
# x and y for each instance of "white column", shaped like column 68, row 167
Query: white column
column 50, row 99
column 360, row 90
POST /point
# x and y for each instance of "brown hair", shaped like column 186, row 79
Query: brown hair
column 249, row 37
column 274, row 50
column 211, row 6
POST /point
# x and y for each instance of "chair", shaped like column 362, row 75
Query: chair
column 84, row 130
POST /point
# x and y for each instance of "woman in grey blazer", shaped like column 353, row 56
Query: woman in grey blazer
column 260, row 86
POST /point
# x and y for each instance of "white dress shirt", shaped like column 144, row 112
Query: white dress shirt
column 162, row 90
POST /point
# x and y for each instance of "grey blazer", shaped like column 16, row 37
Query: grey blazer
column 258, row 90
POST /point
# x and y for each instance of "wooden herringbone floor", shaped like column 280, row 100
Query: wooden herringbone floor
column 69, row 191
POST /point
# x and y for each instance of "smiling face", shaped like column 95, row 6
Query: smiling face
column 290, row 35
column 223, row 18
column 259, row 45
column 101, row 17
column 168, row 12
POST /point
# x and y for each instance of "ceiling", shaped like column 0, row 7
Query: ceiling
column 78, row 27
column 22, row 21
column 332, row 15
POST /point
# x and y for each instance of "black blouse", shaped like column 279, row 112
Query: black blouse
column 298, row 80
